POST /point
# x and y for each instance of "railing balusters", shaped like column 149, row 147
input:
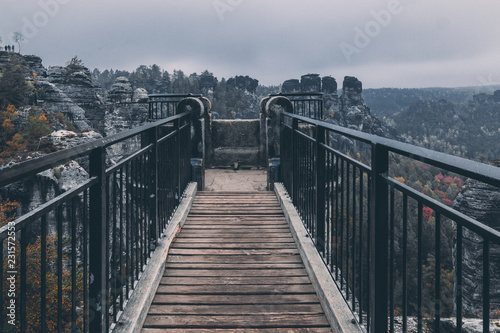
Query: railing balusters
column 419, row 267
column 486, row 286
column 114, row 233
column 320, row 189
column 98, row 242
column 458, row 274
column 74, row 203
column 59, row 218
column 437, row 286
column 392, row 283
column 379, row 251
column 23, row 291
column 43, row 274
column 405, row 263
column 85, row 262
column 360, row 254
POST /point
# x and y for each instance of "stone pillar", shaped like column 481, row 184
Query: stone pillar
column 198, row 109
column 273, row 107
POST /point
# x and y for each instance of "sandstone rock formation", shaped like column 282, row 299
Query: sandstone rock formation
column 290, row 86
column 481, row 202
column 121, row 91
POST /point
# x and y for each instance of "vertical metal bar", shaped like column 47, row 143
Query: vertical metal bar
column 121, row 234
column 347, row 228
column 342, row 181
column 178, row 158
column 128, row 213
column 419, row 268
column 337, row 238
column 360, row 254
column 369, row 247
column 459, row 281
column 405, row 262
column 43, row 274
column 391, row 260
column 294, row 158
column 437, row 286
column 114, row 232
column 379, row 239
column 136, row 223
column 1, row 285
column 97, row 241
column 107, row 220
column 486, row 286
column 24, row 245
column 85, row 248
column 140, row 211
column 59, row 218
column 354, row 238
column 74, row 203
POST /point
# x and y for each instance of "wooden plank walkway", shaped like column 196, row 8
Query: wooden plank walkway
column 234, row 267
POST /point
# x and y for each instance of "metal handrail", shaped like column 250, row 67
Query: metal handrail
column 348, row 209
column 118, row 212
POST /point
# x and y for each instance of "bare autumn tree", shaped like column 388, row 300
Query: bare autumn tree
column 18, row 37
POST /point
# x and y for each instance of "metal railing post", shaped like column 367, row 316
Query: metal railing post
column 320, row 189
column 177, row 126
column 379, row 240
column 293, row 143
column 153, row 187
column 98, row 242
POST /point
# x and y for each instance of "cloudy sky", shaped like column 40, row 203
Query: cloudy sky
column 385, row 43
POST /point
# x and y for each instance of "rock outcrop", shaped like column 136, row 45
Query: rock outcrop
column 348, row 110
column 121, row 91
column 80, row 89
column 481, row 202
column 310, row 83
column 245, row 83
column 290, row 86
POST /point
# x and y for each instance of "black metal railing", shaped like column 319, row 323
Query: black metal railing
column 306, row 104
column 162, row 106
column 74, row 261
column 361, row 221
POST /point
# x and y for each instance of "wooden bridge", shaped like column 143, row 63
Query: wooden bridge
column 235, row 264
column 139, row 245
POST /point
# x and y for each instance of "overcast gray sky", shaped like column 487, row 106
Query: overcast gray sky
column 385, row 43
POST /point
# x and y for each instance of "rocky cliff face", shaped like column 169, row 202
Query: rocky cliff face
column 80, row 89
column 481, row 202
column 348, row 110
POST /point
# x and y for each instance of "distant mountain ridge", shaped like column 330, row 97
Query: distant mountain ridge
column 387, row 101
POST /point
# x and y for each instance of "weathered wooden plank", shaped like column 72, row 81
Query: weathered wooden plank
column 235, row 193
column 231, row 289
column 231, row 236
column 236, row 258
column 235, row 299
column 241, row 309
column 227, row 211
column 246, row 239
column 236, row 280
column 230, row 227
column 234, row 272
column 239, row 330
column 231, row 252
column 234, row 232
column 237, row 218
column 178, row 245
column 262, row 266
column 239, row 203
column 241, row 321
column 231, row 230
column 217, row 223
